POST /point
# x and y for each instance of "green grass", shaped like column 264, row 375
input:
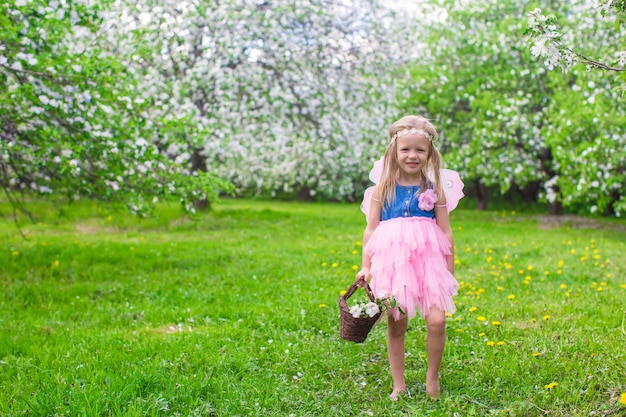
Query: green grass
column 235, row 314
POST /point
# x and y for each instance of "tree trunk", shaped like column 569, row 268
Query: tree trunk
column 481, row 194
column 555, row 209
column 198, row 163
column 529, row 192
column 304, row 194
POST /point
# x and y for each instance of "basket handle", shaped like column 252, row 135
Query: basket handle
column 355, row 285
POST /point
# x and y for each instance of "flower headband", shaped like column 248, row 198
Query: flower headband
column 411, row 131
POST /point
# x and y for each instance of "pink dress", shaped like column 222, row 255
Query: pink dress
column 408, row 258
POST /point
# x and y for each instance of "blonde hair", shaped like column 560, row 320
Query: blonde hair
column 391, row 168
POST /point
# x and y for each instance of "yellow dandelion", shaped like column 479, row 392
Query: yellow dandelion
column 56, row 263
column 324, row 264
column 491, row 343
column 322, row 305
column 472, row 309
column 355, row 267
column 500, row 343
column 459, row 330
column 489, row 259
column 109, row 218
column 546, row 317
column 354, row 252
column 563, row 286
column 536, row 354
column 342, row 292
column 335, row 265
column 500, row 289
column 481, row 334
column 521, row 271
column 622, row 398
column 551, row 385
column 560, row 265
column 448, row 314
column 511, row 296
column 495, row 323
column 573, row 251
column 530, row 267
column 532, row 320
column 359, row 243
column 481, row 318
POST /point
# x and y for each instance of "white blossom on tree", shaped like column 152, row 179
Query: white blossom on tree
column 277, row 96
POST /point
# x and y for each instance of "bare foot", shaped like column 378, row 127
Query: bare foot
column 395, row 394
column 433, row 390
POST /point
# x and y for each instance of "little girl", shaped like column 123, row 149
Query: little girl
column 408, row 245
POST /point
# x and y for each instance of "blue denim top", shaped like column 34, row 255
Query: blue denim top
column 405, row 205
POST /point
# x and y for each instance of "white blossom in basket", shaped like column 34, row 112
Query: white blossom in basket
column 371, row 309
column 355, row 311
column 367, row 308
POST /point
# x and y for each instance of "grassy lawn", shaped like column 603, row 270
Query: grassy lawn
column 235, row 314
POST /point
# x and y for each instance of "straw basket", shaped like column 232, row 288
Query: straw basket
column 352, row 328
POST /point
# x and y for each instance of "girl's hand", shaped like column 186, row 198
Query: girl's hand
column 364, row 274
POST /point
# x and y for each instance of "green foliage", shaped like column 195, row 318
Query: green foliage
column 135, row 102
column 234, row 313
column 72, row 120
column 510, row 124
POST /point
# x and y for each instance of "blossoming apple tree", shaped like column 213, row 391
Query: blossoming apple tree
column 512, row 126
column 276, row 96
column 72, row 121
column 592, row 146
column 136, row 101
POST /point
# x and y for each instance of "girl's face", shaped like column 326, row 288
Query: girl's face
column 413, row 153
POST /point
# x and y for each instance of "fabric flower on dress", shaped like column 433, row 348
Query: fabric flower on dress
column 427, row 200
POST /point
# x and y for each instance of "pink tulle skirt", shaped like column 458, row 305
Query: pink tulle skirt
column 409, row 262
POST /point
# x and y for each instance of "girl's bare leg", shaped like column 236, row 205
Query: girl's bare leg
column 435, row 342
column 395, row 347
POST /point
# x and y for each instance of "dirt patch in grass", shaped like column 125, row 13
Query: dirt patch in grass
column 89, row 229
column 170, row 329
column 578, row 222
